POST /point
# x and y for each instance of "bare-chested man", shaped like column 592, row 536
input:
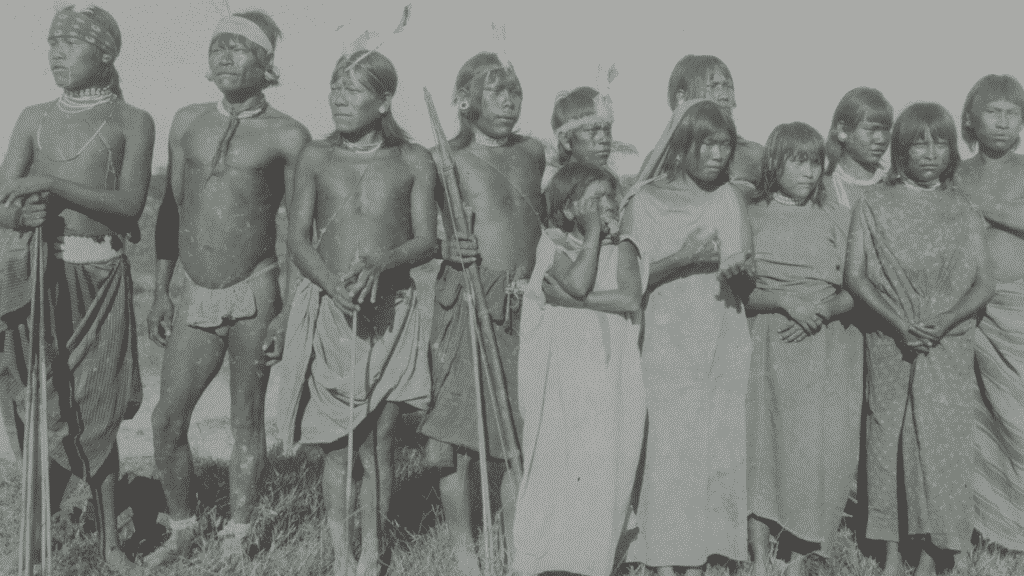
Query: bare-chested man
column 994, row 181
column 369, row 192
column 77, row 171
column 230, row 165
column 499, row 175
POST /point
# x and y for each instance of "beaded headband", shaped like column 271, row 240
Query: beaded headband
column 602, row 114
column 246, row 29
column 70, row 24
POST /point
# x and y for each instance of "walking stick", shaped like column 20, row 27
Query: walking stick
column 36, row 454
column 481, row 334
column 349, row 465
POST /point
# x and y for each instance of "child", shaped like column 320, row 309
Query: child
column 704, row 76
column 917, row 260
column 581, row 393
column 993, row 179
column 857, row 139
column 582, row 123
column 806, row 380
column 370, row 193
column 696, row 349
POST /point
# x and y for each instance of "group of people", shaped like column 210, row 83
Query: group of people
column 661, row 374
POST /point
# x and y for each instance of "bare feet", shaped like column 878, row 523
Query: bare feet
column 894, row 569
column 118, row 563
column 760, row 568
column 467, row 562
column 795, row 566
column 926, row 566
column 177, row 545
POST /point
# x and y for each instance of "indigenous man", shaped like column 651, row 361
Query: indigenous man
column 76, row 172
column 370, row 192
column 230, row 165
column 708, row 77
column 994, row 181
column 499, row 175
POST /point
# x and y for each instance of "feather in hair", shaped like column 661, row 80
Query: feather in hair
column 406, row 13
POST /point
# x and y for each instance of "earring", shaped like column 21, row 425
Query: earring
column 383, row 109
column 463, row 105
column 841, row 136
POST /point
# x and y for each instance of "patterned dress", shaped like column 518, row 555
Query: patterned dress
column 922, row 252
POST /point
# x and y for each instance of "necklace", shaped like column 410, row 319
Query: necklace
column 362, row 148
column 73, row 101
column 258, row 107
column 840, row 177
column 485, row 140
column 918, row 188
column 786, row 200
column 39, row 141
column 234, row 119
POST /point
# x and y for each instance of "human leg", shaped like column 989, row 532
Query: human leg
column 456, row 500
column 376, row 454
column 339, row 518
column 758, row 535
column 102, row 487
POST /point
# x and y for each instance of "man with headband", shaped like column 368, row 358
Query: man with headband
column 499, row 175
column 76, row 173
column 230, row 166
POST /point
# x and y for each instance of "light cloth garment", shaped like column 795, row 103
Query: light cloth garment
column 841, row 187
column 922, row 252
column 804, row 403
column 391, row 364
column 695, row 360
column 217, row 308
column 999, row 427
column 582, row 401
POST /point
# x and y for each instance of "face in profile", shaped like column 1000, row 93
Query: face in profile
column 234, row 67
column 354, row 107
column 75, row 63
column 591, row 143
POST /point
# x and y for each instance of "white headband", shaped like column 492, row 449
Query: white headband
column 602, row 114
column 245, row 28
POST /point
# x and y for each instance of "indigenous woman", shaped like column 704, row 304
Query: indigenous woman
column 857, row 140
column 696, row 349
column 917, row 260
column 806, row 380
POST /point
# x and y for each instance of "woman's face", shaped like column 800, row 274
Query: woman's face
column 708, row 158
column 927, row 158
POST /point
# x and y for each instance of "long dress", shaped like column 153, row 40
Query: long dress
column 999, row 430
column 582, row 402
column 804, row 403
column 922, row 252
column 696, row 360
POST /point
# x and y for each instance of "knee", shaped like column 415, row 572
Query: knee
column 169, row 428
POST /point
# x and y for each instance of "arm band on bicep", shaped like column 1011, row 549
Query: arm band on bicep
column 165, row 236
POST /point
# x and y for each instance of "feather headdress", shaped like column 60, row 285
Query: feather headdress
column 365, row 40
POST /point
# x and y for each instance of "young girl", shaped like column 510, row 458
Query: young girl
column 806, row 380
column 917, row 260
column 581, row 393
column 582, row 123
column 696, row 348
column 857, row 140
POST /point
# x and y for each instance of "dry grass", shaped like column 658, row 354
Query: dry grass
column 296, row 541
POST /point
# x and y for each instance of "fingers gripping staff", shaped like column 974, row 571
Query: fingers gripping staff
column 482, row 338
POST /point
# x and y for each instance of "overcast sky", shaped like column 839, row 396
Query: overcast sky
column 790, row 60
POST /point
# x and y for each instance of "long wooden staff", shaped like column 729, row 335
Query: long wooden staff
column 36, row 454
column 481, row 333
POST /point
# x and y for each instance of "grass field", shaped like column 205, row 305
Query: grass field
column 290, row 514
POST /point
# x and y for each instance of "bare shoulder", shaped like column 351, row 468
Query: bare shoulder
column 185, row 116
column 533, row 147
column 136, row 118
column 418, row 158
column 315, row 152
column 286, row 126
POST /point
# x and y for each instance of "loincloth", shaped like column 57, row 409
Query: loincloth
column 391, row 364
column 452, row 418
column 217, row 309
column 94, row 380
